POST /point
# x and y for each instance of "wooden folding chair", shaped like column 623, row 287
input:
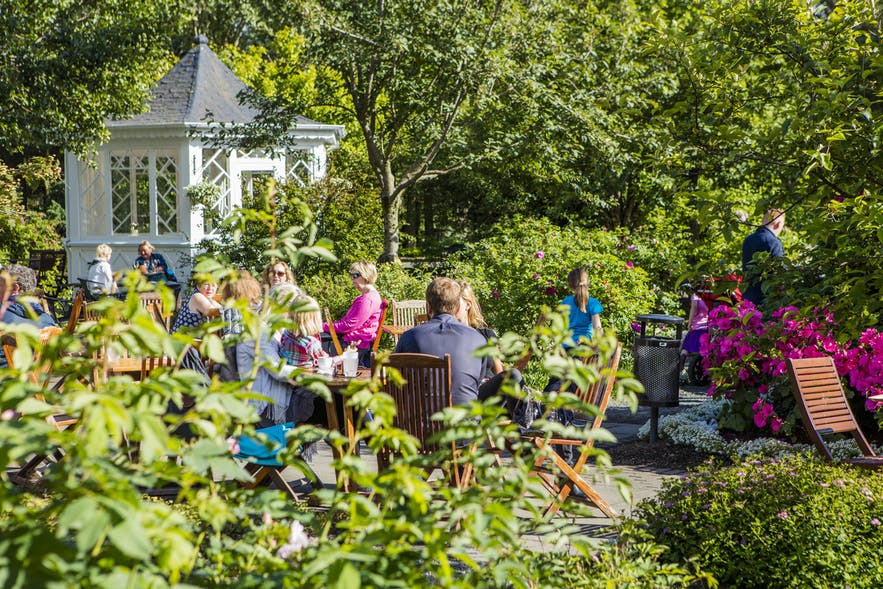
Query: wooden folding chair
column 332, row 332
column 264, row 466
column 384, row 307
column 39, row 375
column 824, row 408
column 560, row 477
column 426, row 390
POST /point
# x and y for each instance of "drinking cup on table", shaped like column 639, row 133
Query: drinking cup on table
column 350, row 363
column 326, row 364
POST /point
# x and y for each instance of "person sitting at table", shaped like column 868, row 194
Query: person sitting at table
column 16, row 281
column 200, row 306
column 152, row 264
column 494, row 375
column 277, row 274
column 22, row 282
column 359, row 325
column 300, row 345
column 100, row 280
column 443, row 334
column 271, row 374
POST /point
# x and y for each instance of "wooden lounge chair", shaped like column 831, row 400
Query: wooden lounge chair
column 405, row 315
column 559, row 477
column 426, row 390
column 824, row 408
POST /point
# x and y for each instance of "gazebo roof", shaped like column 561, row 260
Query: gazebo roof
column 198, row 90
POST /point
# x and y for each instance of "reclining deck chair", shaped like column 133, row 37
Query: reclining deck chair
column 824, row 408
column 559, row 478
column 262, row 460
column 426, row 390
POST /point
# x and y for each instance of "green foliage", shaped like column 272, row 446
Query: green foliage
column 71, row 65
column 523, row 268
column 795, row 523
column 91, row 526
column 22, row 230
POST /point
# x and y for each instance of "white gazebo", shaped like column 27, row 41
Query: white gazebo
column 134, row 187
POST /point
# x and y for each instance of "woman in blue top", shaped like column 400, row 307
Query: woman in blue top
column 585, row 312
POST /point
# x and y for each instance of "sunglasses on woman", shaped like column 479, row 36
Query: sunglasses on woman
column 279, row 273
column 355, row 275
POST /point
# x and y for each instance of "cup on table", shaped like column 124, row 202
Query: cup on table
column 350, row 364
column 325, row 364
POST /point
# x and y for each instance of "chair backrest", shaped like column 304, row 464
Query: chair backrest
column 425, row 392
column 150, row 363
column 823, row 406
column 404, row 313
column 598, row 394
column 76, row 310
column 332, row 332
column 384, row 307
column 153, row 302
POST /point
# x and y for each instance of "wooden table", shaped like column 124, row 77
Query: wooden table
column 337, row 384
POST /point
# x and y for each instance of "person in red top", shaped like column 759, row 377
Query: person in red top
column 359, row 325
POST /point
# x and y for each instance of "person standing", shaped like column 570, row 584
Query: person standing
column 443, row 334
column 585, row 312
column 764, row 239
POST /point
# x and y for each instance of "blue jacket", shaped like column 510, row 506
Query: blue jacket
column 762, row 240
column 441, row 335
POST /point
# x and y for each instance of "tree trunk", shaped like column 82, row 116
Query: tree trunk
column 391, row 207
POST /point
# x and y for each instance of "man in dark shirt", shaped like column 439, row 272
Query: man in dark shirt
column 764, row 239
column 443, row 334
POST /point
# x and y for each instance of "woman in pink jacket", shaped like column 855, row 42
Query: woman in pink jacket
column 359, row 325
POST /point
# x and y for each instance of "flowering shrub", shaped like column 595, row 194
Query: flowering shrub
column 745, row 357
column 793, row 523
column 524, row 266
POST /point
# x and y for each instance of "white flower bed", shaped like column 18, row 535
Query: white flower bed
column 697, row 427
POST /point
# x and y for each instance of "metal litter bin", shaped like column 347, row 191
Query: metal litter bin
column 658, row 365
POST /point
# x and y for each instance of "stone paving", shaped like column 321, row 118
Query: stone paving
column 646, row 480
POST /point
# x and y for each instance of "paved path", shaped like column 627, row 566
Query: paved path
column 646, row 480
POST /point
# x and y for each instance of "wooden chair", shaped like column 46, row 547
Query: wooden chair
column 559, row 478
column 333, row 333
column 265, row 467
column 405, row 316
column 39, row 375
column 426, row 390
column 384, row 307
column 153, row 302
column 824, row 408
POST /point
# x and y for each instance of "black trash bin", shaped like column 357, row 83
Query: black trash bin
column 658, row 364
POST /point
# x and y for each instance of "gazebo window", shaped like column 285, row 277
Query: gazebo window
column 129, row 191
column 299, row 166
column 94, row 203
column 215, row 170
column 135, row 177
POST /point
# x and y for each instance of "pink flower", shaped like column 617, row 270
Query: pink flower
column 540, row 255
column 495, row 294
column 535, row 275
column 631, row 248
column 551, row 291
column 636, row 326
column 629, row 264
column 776, row 424
column 233, row 445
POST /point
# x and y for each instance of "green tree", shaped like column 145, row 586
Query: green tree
column 414, row 75
column 782, row 98
column 65, row 67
